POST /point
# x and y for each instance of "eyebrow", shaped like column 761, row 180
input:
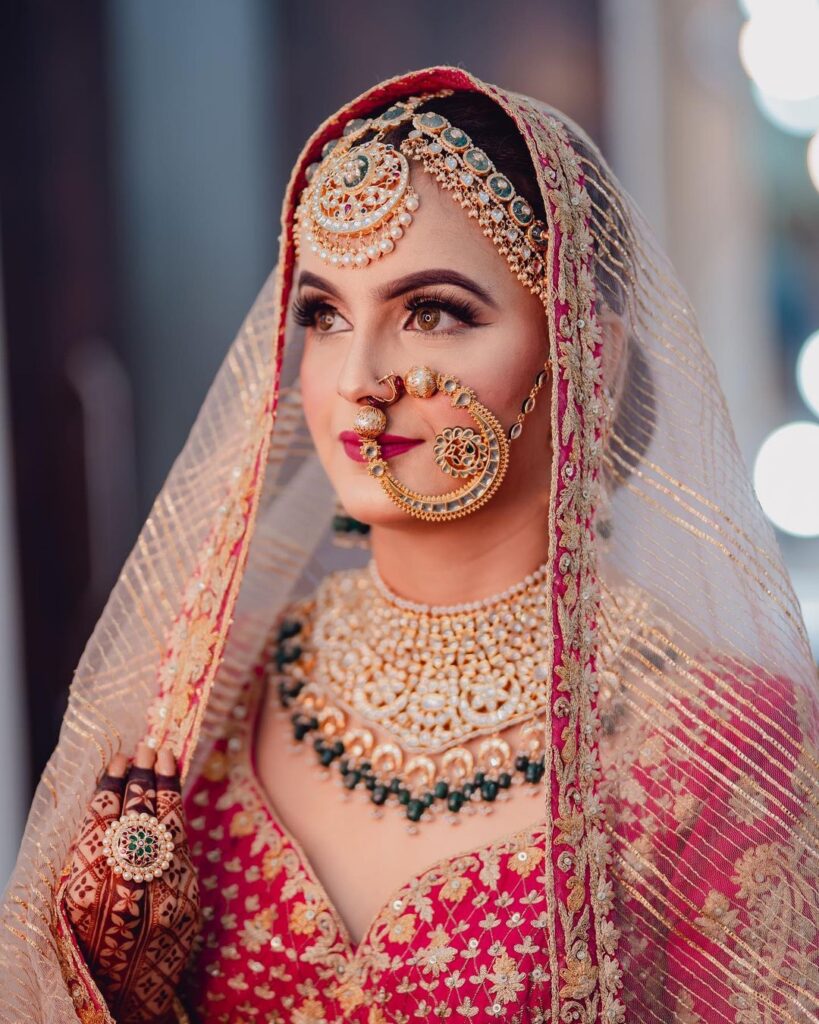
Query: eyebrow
column 408, row 283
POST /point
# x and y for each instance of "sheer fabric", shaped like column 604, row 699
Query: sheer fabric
column 680, row 796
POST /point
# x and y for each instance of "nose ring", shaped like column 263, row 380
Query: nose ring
column 396, row 387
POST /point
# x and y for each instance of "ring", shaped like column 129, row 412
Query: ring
column 138, row 847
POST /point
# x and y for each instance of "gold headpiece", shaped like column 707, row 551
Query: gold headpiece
column 359, row 200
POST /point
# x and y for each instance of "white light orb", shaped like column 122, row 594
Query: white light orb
column 786, row 478
column 813, row 160
column 759, row 8
column 797, row 117
column 778, row 48
column 807, row 372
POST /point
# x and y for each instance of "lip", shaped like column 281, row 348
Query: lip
column 391, row 444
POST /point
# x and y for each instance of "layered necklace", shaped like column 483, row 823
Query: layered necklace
column 391, row 692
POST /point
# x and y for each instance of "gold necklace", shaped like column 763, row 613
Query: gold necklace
column 433, row 678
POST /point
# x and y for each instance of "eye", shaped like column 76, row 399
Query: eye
column 325, row 320
column 427, row 318
column 439, row 315
column 319, row 315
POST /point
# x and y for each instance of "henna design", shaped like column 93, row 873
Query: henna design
column 136, row 936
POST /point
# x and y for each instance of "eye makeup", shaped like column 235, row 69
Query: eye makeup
column 308, row 308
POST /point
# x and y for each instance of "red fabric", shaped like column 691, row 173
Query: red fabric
column 466, row 934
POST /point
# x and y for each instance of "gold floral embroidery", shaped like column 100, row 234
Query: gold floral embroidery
column 241, row 824
column 455, row 888
column 311, row 1011
column 402, row 929
column 507, row 980
column 215, row 767
column 523, row 862
column 256, row 932
column 435, row 957
column 717, row 915
column 304, row 918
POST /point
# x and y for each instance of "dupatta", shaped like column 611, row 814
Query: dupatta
column 682, row 769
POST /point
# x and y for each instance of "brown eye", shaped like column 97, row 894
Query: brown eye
column 325, row 319
column 428, row 318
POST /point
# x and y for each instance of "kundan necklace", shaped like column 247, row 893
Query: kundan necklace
column 356, row 658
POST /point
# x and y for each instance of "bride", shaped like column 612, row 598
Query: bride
column 530, row 733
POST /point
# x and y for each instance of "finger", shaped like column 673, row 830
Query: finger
column 104, row 808
column 118, row 766
column 168, row 797
column 140, row 789
column 106, row 803
column 166, row 774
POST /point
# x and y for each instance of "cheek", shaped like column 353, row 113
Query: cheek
column 317, row 377
column 503, row 381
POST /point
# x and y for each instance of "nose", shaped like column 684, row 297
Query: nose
column 358, row 378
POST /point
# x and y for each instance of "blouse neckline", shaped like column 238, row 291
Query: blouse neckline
column 247, row 761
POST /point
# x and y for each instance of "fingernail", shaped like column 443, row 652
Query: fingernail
column 165, row 762
column 144, row 756
column 118, row 766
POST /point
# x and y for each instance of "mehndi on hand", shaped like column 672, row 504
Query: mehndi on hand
column 132, row 895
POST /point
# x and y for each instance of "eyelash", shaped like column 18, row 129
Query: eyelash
column 307, row 308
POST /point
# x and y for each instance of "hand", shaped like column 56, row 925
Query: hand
column 136, row 936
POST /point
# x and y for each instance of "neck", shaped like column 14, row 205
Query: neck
column 464, row 560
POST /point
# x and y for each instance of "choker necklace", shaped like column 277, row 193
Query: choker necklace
column 432, row 678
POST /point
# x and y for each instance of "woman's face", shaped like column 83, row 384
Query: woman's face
column 446, row 299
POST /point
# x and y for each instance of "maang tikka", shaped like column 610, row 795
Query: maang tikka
column 359, row 200
column 479, row 457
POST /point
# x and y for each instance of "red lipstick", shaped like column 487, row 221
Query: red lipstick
column 391, row 444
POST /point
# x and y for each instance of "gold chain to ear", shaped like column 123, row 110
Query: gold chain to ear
column 529, row 403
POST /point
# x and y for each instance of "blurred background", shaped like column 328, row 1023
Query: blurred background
column 144, row 149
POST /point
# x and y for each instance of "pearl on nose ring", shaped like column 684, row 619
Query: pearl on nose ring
column 370, row 421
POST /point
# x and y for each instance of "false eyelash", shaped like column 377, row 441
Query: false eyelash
column 465, row 311
column 306, row 308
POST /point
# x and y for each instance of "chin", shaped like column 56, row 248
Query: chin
column 364, row 500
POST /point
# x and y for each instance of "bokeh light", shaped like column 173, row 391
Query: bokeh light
column 797, row 117
column 779, row 46
column 813, row 161
column 807, row 373
column 786, row 478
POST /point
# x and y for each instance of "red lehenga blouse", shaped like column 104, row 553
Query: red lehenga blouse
column 464, row 938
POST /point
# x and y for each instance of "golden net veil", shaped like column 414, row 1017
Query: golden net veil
column 683, row 769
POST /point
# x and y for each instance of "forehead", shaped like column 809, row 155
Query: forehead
column 440, row 235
